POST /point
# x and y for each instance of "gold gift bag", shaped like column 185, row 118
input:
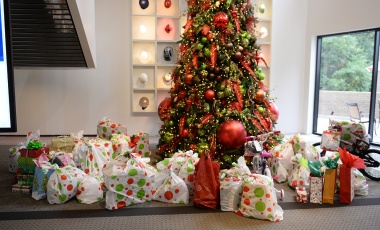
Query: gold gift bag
column 329, row 182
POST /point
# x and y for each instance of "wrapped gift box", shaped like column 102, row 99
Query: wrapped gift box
column 301, row 194
column 62, row 143
column 106, row 128
column 22, row 188
column 26, row 165
column 25, row 179
column 33, row 153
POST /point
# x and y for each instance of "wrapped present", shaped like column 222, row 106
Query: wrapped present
column 128, row 180
column 106, row 128
column 90, row 190
column 170, row 188
column 62, row 143
column 120, row 144
column 350, row 132
column 281, row 163
column 259, row 199
column 361, row 184
column 302, row 146
column 142, row 144
column 41, row 178
column 299, row 177
column 79, row 140
column 316, row 186
column 230, row 193
column 25, row 179
column 26, row 165
column 63, row 184
column 95, row 155
column 301, row 195
column 33, row 153
column 22, row 188
column 239, row 169
column 14, row 153
column 330, row 140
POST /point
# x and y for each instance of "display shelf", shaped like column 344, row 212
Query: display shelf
column 143, row 28
column 150, row 95
column 149, row 39
column 143, row 77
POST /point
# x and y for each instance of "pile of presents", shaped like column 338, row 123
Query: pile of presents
column 115, row 167
column 315, row 178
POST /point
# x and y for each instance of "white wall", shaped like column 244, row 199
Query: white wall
column 296, row 24
column 60, row 101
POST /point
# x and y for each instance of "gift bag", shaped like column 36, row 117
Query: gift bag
column 329, row 183
column 206, row 184
column 90, row 190
column 259, row 199
column 347, row 184
column 361, row 184
column 63, row 184
column 347, row 175
column 170, row 188
column 330, row 140
column 316, row 186
column 41, row 178
column 230, row 193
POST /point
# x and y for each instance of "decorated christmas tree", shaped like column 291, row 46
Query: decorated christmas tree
column 217, row 96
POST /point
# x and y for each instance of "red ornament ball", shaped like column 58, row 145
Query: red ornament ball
column 164, row 109
column 188, row 79
column 231, row 134
column 221, row 20
column 209, row 94
column 168, row 3
column 273, row 110
column 260, row 95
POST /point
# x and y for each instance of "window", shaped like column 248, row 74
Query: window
column 347, row 69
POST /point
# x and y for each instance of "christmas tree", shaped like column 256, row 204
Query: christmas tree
column 217, row 96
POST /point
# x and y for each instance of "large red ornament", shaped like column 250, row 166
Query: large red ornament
column 273, row 110
column 164, row 109
column 209, row 94
column 231, row 134
column 221, row 20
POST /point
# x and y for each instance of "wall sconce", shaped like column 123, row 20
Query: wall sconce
column 263, row 32
column 144, row 102
column 143, row 77
column 144, row 56
column 143, row 29
column 262, row 8
column 167, row 77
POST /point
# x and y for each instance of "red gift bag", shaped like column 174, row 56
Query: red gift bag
column 346, row 188
column 346, row 175
column 206, row 183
